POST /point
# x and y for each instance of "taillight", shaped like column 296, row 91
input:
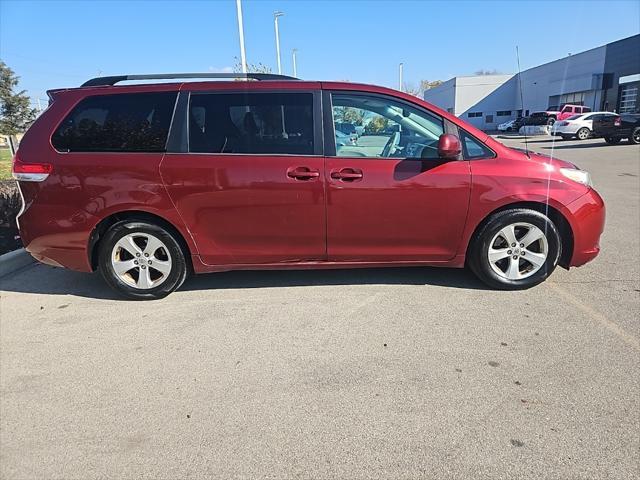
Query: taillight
column 30, row 172
column 617, row 122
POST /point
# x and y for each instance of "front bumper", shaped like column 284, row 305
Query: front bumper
column 587, row 219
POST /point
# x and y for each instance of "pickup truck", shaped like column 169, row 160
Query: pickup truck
column 614, row 128
column 565, row 111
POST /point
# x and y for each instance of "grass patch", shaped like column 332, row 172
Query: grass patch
column 5, row 164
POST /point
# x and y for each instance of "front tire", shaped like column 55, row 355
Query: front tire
column 515, row 249
column 583, row 133
column 141, row 260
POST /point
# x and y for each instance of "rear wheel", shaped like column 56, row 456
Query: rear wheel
column 515, row 249
column 141, row 260
column 635, row 136
column 583, row 133
column 612, row 140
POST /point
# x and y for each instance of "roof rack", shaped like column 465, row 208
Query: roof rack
column 112, row 80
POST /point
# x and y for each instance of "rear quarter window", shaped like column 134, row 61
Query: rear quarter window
column 130, row 122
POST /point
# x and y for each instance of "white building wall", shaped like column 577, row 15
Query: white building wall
column 443, row 96
column 566, row 75
column 541, row 87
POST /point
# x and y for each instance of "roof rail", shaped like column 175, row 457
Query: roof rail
column 112, row 80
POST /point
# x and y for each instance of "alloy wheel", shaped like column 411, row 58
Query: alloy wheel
column 141, row 260
column 518, row 251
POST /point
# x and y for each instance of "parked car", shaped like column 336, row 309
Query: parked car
column 538, row 118
column 346, row 128
column 508, row 126
column 345, row 140
column 615, row 128
column 579, row 126
column 564, row 112
column 149, row 182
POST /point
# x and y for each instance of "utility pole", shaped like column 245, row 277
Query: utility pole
column 276, row 15
column 400, row 68
column 295, row 69
column 243, row 56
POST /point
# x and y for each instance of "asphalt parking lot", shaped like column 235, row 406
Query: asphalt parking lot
column 397, row 373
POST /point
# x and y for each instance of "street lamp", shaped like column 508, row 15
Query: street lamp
column 243, row 56
column 293, row 55
column 400, row 68
column 276, row 15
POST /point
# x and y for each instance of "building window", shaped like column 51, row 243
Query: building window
column 489, row 119
column 504, row 113
column 474, row 114
column 575, row 98
column 629, row 98
column 450, row 110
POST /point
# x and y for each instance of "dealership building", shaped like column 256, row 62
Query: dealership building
column 603, row 78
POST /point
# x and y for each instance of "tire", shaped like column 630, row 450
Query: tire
column 502, row 274
column 583, row 133
column 635, row 136
column 551, row 121
column 143, row 247
column 612, row 140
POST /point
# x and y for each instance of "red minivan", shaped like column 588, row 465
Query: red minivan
column 150, row 182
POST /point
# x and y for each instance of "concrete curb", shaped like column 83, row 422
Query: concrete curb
column 13, row 261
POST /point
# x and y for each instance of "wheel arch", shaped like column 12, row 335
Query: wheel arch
column 101, row 228
column 560, row 221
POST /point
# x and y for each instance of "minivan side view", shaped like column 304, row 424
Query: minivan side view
column 148, row 183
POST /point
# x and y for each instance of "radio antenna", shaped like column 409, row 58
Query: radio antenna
column 526, row 143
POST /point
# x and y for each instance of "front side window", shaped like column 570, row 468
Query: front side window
column 131, row 122
column 251, row 123
column 382, row 127
column 472, row 148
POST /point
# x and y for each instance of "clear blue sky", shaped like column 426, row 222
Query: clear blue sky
column 62, row 43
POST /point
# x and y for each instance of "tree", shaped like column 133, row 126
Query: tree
column 482, row 71
column 251, row 67
column 16, row 113
column 418, row 91
column 376, row 125
column 351, row 115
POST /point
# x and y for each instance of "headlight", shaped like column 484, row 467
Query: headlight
column 576, row 175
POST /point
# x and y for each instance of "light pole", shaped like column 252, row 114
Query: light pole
column 276, row 15
column 243, row 56
column 400, row 68
column 293, row 55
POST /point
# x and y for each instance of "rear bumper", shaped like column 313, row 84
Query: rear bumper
column 57, row 235
column 587, row 219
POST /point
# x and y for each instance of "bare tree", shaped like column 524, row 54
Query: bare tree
column 482, row 71
column 423, row 86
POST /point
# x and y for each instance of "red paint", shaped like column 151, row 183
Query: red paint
column 262, row 211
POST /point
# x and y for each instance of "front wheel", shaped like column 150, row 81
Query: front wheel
column 515, row 249
column 583, row 133
column 141, row 261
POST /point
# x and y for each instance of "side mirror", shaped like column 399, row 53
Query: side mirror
column 449, row 146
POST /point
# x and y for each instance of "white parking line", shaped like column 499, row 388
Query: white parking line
column 613, row 327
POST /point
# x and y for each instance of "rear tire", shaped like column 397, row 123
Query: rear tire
column 612, row 140
column 141, row 260
column 495, row 260
column 635, row 136
column 583, row 133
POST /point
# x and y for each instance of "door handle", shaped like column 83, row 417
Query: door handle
column 302, row 173
column 347, row 174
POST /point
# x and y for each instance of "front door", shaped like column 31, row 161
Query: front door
column 250, row 184
column 389, row 196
